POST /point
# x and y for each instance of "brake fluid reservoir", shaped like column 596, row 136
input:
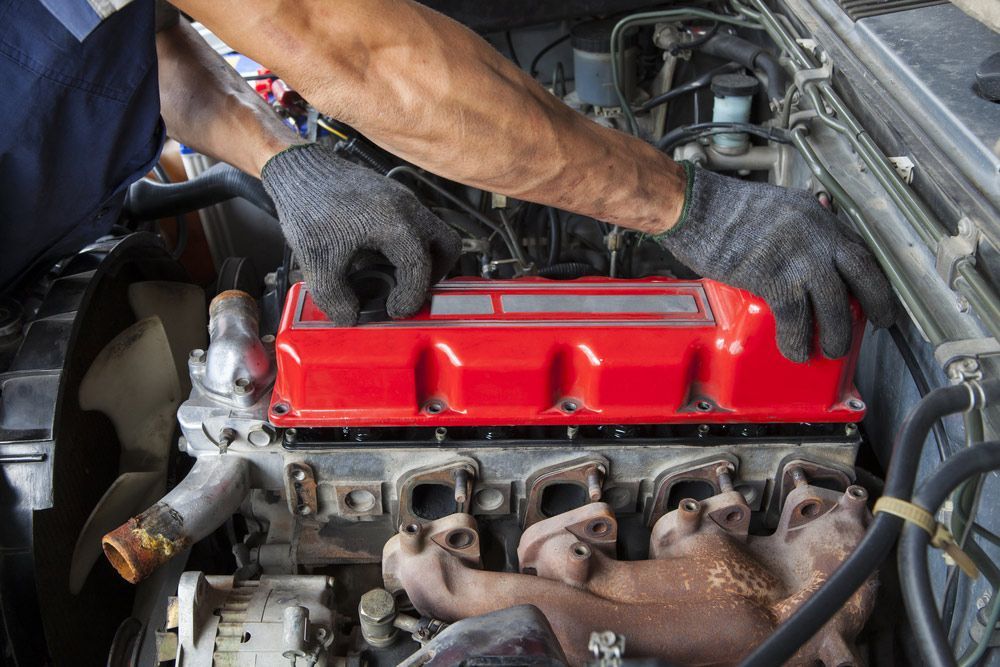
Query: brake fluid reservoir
column 733, row 98
column 592, row 63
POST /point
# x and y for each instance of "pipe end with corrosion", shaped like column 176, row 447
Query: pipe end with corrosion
column 135, row 552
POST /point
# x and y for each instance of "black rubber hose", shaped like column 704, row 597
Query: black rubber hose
column 914, row 575
column 568, row 271
column 923, row 387
column 533, row 69
column 555, row 236
column 731, row 47
column 881, row 535
column 689, row 87
column 147, row 200
column 680, row 135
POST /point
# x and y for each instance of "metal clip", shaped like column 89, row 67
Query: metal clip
column 941, row 537
column 815, row 75
column 607, row 648
column 953, row 250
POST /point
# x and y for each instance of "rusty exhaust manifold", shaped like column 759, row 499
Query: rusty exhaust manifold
column 707, row 596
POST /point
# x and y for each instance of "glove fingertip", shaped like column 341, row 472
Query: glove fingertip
column 408, row 295
column 339, row 304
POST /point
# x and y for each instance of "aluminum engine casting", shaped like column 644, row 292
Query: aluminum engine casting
column 704, row 572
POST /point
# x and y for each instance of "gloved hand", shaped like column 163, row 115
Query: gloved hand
column 783, row 246
column 333, row 211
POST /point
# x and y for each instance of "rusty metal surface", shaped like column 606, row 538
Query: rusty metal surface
column 705, row 576
column 588, row 473
column 200, row 503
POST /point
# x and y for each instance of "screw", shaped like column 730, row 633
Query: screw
column 461, row 486
column 197, row 356
column 798, row 477
column 572, row 432
column 851, row 430
column 594, row 479
column 242, row 386
column 440, row 433
column 299, row 474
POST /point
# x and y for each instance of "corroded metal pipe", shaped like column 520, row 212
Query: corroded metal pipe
column 195, row 508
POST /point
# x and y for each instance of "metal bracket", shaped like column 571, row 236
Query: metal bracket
column 960, row 358
column 953, row 250
column 904, row 167
column 815, row 75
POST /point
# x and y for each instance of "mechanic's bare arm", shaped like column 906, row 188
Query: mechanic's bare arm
column 434, row 93
column 207, row 105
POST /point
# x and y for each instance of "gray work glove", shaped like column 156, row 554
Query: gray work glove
column 783, row 246
column 334, row 212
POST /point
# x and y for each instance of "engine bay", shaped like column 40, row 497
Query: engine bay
column 578, row 452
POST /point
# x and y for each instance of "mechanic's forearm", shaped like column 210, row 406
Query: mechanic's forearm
column 208, row 106
column 432, row 92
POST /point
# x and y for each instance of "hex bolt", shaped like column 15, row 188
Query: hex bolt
column 572, row 432
column 724, row 475
column 440, row 434
column 798, row 477
column 594, row 480
column 197, row 356
column 461, row 487
column 243, row 387
column 377, row 613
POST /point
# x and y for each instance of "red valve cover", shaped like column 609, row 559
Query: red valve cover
column 536, row 351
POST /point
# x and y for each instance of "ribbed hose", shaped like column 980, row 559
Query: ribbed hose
column 567, row 271
column 914, row 575
column 147, row 200
column 877, row 542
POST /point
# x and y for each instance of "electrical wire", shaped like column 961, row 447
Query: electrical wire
column 508, row 241
column 689, row 87
column 923, row 387
column 331, row 129
column 510, row 47
column 533, row 68
column 680, row 135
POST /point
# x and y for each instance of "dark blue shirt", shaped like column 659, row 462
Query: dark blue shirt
column 81, row 121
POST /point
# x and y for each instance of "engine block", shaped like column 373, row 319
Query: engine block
column 507, row 408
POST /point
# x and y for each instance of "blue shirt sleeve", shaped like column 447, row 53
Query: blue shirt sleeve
column 79, row 16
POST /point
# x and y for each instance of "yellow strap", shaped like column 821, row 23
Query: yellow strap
column 941, row 537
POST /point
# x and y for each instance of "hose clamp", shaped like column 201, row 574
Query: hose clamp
column 941, row 537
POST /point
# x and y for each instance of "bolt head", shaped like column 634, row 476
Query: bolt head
column 261, row 435
column 377, row 605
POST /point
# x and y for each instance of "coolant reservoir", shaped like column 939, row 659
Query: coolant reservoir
column 592, row 63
